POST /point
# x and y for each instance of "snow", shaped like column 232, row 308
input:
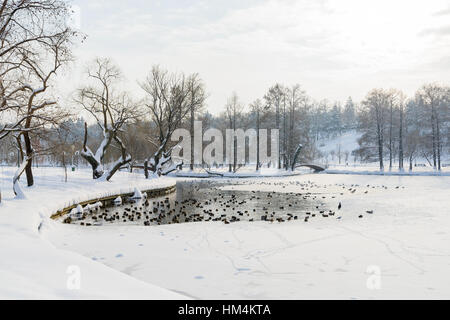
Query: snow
column 243, row 172
column 406, row 239
column 16, row 185
column 32, row 267
column 348, row 141
column 137, row 194
column 118, row 200
column 374, row 169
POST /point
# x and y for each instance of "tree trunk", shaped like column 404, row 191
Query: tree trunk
column 257, row 139
column 87, row 154
column 284, row 135
column 146, row 169
column 277, row 121
column 400, row 143
column 380, row 134
column 29, row 156
column 234, row 143
column 230, row 164
column 433, row 133
column 297, row 153
column 339, row 153
column 380, row 149
column 390, row 137
column 192, row 139
column 119, row 163
column 16, row 187
column 291, row 132
column 64, row 166
column 438, row 142
column 124, row 159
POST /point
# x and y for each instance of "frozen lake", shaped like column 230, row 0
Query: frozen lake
column 403, row 241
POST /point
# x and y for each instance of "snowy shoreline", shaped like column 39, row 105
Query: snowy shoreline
column 391, row 173
column 32, row 267
column 149, row 194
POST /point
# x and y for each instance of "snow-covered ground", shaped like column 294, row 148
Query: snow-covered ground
column 400, row 250
column 406, row 239
column 348, row 141
column 32, row 267
column 374, row 169
column 247, row 171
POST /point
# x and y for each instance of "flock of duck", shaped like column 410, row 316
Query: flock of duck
column 207, row 201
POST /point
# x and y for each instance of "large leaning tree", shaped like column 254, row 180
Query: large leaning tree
column 111, row 109
column 35, row 43
column 170, row 99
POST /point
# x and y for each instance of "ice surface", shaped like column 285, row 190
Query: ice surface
column 404, row 243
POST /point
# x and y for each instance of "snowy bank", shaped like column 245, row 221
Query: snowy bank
column 31, row 267
column 245, row 172
column 374, row 169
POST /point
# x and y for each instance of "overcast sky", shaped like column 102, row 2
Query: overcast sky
column 332, row 48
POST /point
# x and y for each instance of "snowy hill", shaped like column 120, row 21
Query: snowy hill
column 344, row 144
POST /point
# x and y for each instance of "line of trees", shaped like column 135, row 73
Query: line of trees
column 397, row 128
column 36, row 43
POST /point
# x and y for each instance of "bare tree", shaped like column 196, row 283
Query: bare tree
column 170, row 99
column 412, row 127
column 433, row 98
column 285, row 152
column 391, row 108
column 111, row 110
column 400, row 101
column 34, row 43
column 28, row 31
column 274, row 98
column 197, row 98
column 375, row 104
column 296, row 98
column 233, row 109
column 257, row 108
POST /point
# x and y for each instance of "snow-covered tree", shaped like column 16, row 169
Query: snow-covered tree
column 111, row 109
column 34, row 43
column 170, row 99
